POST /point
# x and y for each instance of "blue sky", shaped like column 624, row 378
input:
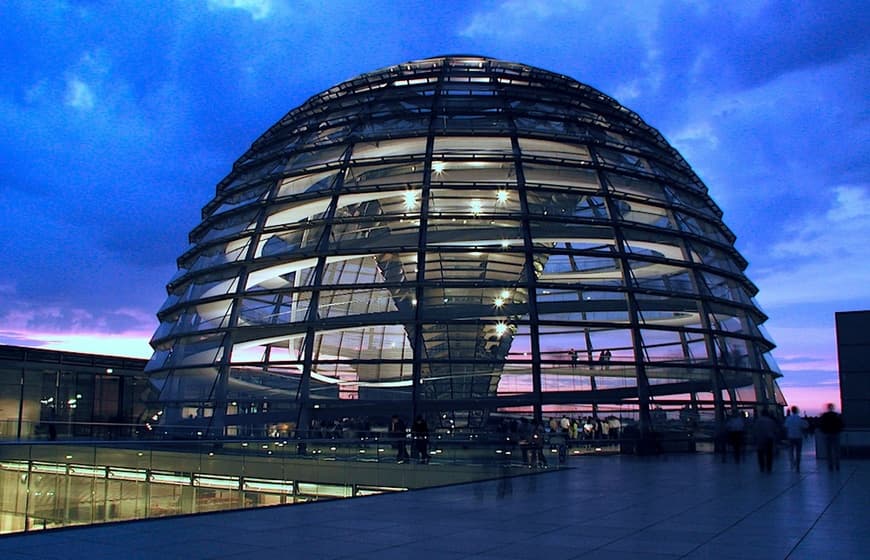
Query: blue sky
column 120, row 118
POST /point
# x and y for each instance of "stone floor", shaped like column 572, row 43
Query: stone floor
column 616, row 507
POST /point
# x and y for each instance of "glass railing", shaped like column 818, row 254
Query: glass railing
column 62, row 483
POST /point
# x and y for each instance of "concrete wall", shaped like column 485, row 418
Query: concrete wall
column 853, row 353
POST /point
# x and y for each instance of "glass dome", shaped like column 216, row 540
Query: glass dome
column 453, row 237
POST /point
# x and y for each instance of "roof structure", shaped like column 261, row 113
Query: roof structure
column 452, row 237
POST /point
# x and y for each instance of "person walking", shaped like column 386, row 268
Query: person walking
column 398, row 435
column 735, row 430
column 795, row 428
column 765, row 430
column 420, row 434
column 831, row 424
column 538, row 459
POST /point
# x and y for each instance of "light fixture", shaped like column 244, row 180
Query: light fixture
column 500, row 328
column 501, row 196
column 410, row 200
column 476, row 206
column 498, row 302
column 438, row 167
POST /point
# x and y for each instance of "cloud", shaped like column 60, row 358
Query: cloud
column 79, row 94
column 694, row 133
column 132, row 344
column 839, row 231
column 812, row 399
column 511, row 18
column 824, row 254
column 257, row 9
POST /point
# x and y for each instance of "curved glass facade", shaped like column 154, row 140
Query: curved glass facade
column 452, row 237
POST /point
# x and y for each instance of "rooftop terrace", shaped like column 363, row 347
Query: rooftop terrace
column 614, row 507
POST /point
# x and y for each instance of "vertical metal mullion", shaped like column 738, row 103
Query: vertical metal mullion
column 20, row 403
column 587, row 338
column 531, row 277
column 219, row 391
column 303, row 395
column 419, row 344
column 643, row 393
column 717, row 379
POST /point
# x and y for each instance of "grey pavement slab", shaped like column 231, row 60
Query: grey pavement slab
column 615, row 507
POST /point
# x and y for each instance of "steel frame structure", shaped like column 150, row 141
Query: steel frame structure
column 453, row 236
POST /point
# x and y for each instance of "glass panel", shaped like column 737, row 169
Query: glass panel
column 725, row 288
column 210, row 285
column 199, row 350
column 682, row 197
column 565, row 204
column 402, row 148
column 313, row 158
column 469, row 123
column 656, row 276
column 284, row 275
column 663, row 346
column 561, row 177
column 251, row 175
column 581, row 235
column 553, row 150
column 595, row 306
column 241, row 198
column 472, row 145
column 205, row 316
column 306, row 183
column 268, row 309
column 405, row 174
column 474, row 232
column 450, row 171
column 395, row 125
column 226, row 226
column 474, row 202
column 404, row 202
column 286, row 214
column 634, row 187
column 346, row 303
column 219, row 254
column 666, row 310
column 545, row 126
column 713, row 257
column 623, row 159
column 702, row 227
column 645, row 214
column 639, row 244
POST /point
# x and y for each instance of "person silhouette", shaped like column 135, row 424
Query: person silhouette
column 795, row 428
column 397, row 434
column 420, row 435
column 831, row 424
column 765, row 429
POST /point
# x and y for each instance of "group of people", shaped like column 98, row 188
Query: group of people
column 767, row 431
column 419, row 439
column 603, row 358
column 590, row 427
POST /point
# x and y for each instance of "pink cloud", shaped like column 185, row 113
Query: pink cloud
column 130, row 344
column 812, row 400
